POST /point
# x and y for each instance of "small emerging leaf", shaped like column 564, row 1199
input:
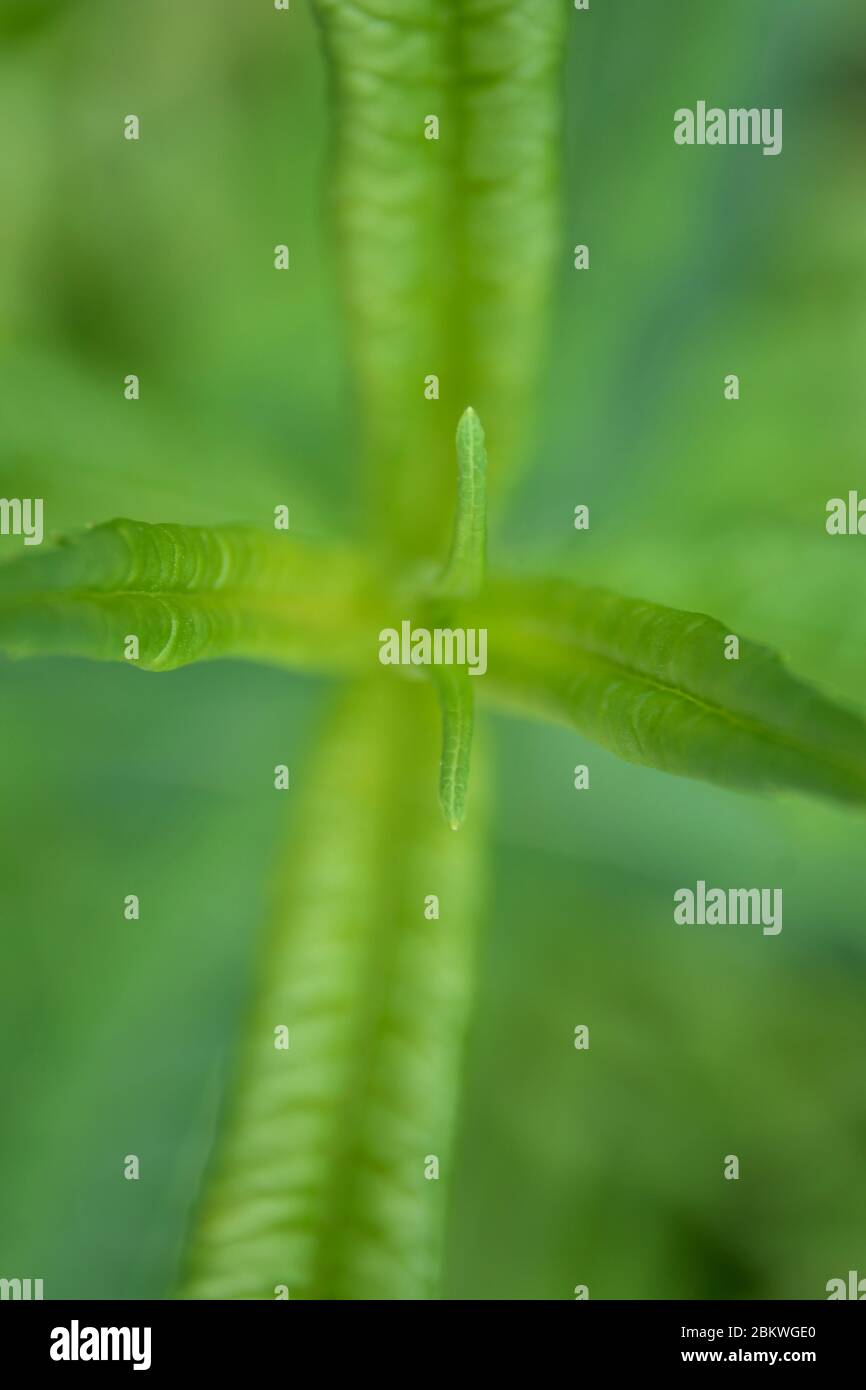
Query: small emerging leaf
column 653, row 685
column 462, row 579
column 465, row 569
column 456, row 704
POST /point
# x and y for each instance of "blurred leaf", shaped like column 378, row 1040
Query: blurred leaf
column 434, row 286
column 320, row 1183
column 188, row 594
column 654, row 686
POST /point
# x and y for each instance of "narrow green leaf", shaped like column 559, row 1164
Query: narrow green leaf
column 456, row 705
column 464, row 572
column 188, row 594
column 319, row 1183
column 446, row 244
column 653, row 685
column 461, row 579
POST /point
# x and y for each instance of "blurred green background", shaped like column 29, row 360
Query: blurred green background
column 602, row 1167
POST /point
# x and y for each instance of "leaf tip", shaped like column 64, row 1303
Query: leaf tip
column 464, row 570
column 470, row 425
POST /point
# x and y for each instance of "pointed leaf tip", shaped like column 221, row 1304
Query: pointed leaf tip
column 464, row 571
column 653, row 685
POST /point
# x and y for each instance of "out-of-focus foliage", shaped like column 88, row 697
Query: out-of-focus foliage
column 321, row 1175
column 446, row 243
column 22, row 18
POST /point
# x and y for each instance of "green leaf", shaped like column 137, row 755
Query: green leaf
column 447, row 244
column 319, row 1182
column 188, row 594
column 464, row 572
column 457, row 706
column 462, row 578
column 653, row 685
